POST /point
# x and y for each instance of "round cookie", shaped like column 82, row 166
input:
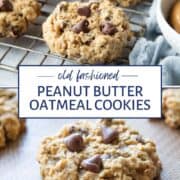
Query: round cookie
column 15, row 16
column 90, row 33
column 171, row 107
column 108, row 149
column 10, row 125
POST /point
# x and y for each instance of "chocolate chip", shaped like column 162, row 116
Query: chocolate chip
column 93, row 164
column 109, row 135
column 84, row 11
column 108, row 28
column 6, row 5
column 81, row 26
column 74, row 143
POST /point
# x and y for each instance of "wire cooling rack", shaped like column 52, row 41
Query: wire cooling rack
column 30, row 49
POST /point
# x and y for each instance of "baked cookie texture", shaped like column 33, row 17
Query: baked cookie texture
column 128, row 3
column 171, row 107
column 90, row 33
column 106, row 150
column 15, row 16
column 10, row 126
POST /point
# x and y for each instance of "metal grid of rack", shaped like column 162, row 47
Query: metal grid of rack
column 30, row 49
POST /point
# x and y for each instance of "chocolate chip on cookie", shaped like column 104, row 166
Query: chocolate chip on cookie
column 5, row 5
column 74, row 143
column 81, row 26
column 109, row 135
column 84, row 11
column 93, row 164
column 108, row 28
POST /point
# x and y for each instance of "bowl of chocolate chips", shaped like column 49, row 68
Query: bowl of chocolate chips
column 168, row 17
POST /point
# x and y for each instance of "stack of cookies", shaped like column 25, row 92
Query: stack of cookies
column 171, row 107
column 10, row 125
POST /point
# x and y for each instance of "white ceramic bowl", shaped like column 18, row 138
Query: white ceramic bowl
column 163, row 10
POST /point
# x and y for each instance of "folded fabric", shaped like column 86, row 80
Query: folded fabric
column 154, row 50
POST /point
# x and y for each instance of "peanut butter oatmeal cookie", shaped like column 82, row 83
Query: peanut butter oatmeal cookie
column 91, row 33
column 171, row 107
column 15, row 16
column 107, row 150
column 10, row 126
column 127, row 3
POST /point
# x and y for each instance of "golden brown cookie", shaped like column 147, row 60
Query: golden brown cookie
column 10, row 125
column 171, row 107
column 128, row 3
column 108, row 149
column 90, row 33
column 15, row 16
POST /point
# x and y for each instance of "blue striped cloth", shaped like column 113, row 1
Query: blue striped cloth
column 154, row 50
